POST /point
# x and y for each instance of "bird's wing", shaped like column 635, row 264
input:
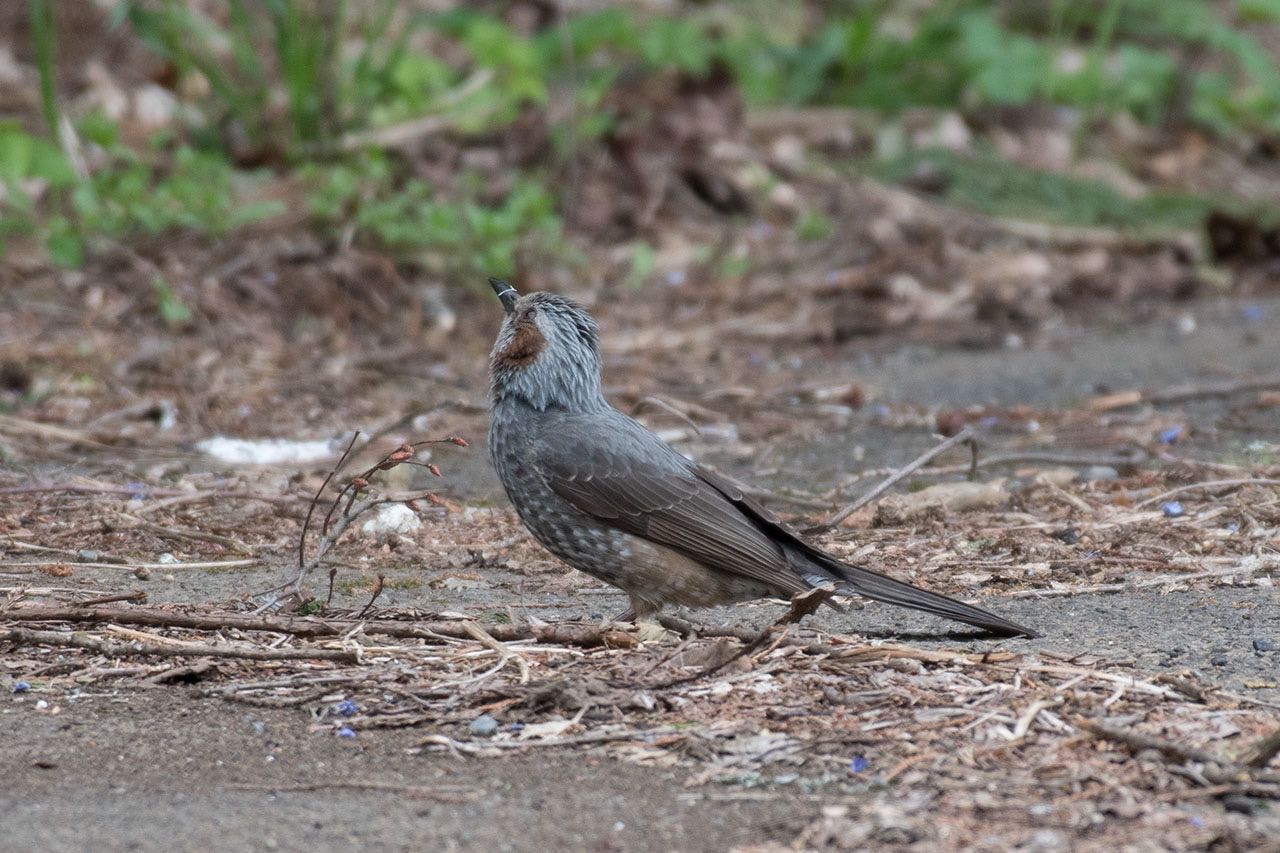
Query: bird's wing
column 613, row 469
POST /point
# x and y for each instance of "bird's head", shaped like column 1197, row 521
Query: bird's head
column 546, row 353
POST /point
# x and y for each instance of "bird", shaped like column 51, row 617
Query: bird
column 609, row 497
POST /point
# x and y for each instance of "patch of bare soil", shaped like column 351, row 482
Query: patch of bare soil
column 456, row 671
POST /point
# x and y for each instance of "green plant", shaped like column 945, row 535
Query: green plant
column 813, row 225
column 131, row 194
column 295, row 47
column 44, row 39
column 169, row 305
column 462, row 236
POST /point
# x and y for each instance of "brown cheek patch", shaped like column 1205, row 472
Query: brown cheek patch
column 525, row 345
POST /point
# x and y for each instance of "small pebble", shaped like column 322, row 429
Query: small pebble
column 483, row 726
column 23, row 687
column 1219, row 660
column 167, row 558
column 41, row 705
column 1172, row 509
column 1260, row 644
column 1067, row 536
column 1096, row 473
column 346, row 731
column 87, row 555
column 142, row 573
column 346, row 708
column 1240, row 804
column 858, row 764
column 1170, row 435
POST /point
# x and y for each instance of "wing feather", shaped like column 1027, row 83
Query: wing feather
column 636, row 482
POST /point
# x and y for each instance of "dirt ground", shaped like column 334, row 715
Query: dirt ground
column 1122, row 593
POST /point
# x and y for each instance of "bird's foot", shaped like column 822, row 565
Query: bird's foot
column 650, row 630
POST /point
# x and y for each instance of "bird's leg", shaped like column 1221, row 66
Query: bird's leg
column 645, row 616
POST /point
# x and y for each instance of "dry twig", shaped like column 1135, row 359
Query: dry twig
column 964, row 436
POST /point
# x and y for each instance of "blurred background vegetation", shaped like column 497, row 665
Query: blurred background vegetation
column 226, row 113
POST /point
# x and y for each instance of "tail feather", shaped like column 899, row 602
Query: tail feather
column 817, row 566
column 883, row 588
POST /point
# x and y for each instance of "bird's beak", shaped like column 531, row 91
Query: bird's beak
column 506, row 293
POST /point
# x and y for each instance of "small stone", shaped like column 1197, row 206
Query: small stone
column 167, row 558
column 1219, row 660
column 483, row 726
column 1172, row 509
column 87, row 555
column 346, row 708
column 346, row 731
column 1097, row 473
column 1067, row 536
column 21, row 687
column 391, row 519
column 1260, row 644
column 142, row 573
column 1240, row 804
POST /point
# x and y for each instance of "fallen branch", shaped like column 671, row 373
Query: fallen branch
column 136, row 595
column 565, row 634
column 28, row 637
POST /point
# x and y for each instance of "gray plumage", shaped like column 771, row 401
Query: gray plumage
column 612, row 499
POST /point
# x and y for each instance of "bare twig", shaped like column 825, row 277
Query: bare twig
column 10, row 542
column 26, row 636
column 1137, row 740
column 210, row 564
column 377, row 591
column 964, row 436
column 136, row 595
column 1210, row 484
column 802, row 604
column 1183, row 393
column 569, row 634
column 659, row 403
column 1260, row 753
column 173, row 532
column 306, row 523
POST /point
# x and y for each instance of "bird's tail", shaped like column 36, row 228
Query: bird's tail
column 883, row 588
